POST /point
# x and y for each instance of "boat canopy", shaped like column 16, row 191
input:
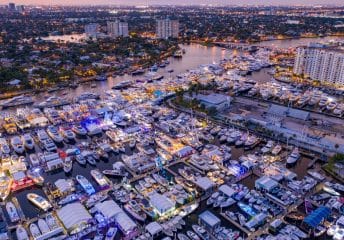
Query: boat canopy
column 227, row 190
column 209, row 219
column 153, row 228
column 317, row 216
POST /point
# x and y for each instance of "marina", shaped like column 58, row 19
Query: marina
column 124, row 161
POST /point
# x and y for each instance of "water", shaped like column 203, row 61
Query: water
column 290, row 43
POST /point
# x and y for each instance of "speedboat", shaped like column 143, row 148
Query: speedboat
column 12, row 212
column 28, row 141
column 78, row 129
column 91, row 160
column 17, row 145
column 294, row 156
column 22, row 233
column 85, row 184
column 99, row 178
column 34, row 230
column 67, row 165
column 54, row 134
column 276, row 150
column 43, row 226
column 111, row 233
column 39, row 201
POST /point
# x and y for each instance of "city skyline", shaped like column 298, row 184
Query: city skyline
column 177, row 2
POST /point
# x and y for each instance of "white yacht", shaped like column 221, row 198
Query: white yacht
column 54, row 134
column 78, row 129
column 17, row 144
column 12, row 212
column 276, row 150
column 39, row 201
column 294, row 156
column 43, row 226
column 28, row 141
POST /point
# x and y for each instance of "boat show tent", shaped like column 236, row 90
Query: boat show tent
column 161, row 203
column 73, row 216
column 266, row 183
column 110, row 209
column 153, row 228
column 317, row 216
column 204, row 183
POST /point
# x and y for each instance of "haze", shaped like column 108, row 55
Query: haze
column 175, row 2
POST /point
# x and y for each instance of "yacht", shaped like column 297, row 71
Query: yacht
column 201, row 232
column 68, row 134
column 54, row 134
column 78, row 129
column 43, row 226
column 294, row 156
column 34, row 230
column 87, row 96
column 69, row 199
column 12, row 212
column 85, row 184
column 276, row 150
column 178, row 54
column 331, row 106
column 21, row 233
column 182, row 236
column 192, row 235
column 5, row 149
column 80, row 159
column 67, row 165
column 28, row 141
column 5, row 186
column 122, row 85
column 34, row 160
column 133, row 208
column 17, row 144
column 39, row 201
column 111, row 233
column 99, row 178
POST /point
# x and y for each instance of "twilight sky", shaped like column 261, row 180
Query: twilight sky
column 180, row 2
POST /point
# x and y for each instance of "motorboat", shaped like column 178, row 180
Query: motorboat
column 192, row 235
column 114, row 172
column 17, row 144
column 78, row 129
column 228, row 202
column 99, row 178
column 54, row 134
column 331, row 106
column 294, row 156
column 43, row 226
column 39, row 201
column 5, row 149
column 111, row 233
column 12, row 212
column 34, row 230
column 91, row 160
column 132, row 143
column 85, row 184
column 247, row 209
column 21, row 233
column 28, row 141
column 67, row 165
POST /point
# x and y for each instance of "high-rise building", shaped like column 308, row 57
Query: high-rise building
column 92, row 29
column 320, row 62
column 167, row 28
column 20, row 8
column 117, row 29
column 12, row 7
